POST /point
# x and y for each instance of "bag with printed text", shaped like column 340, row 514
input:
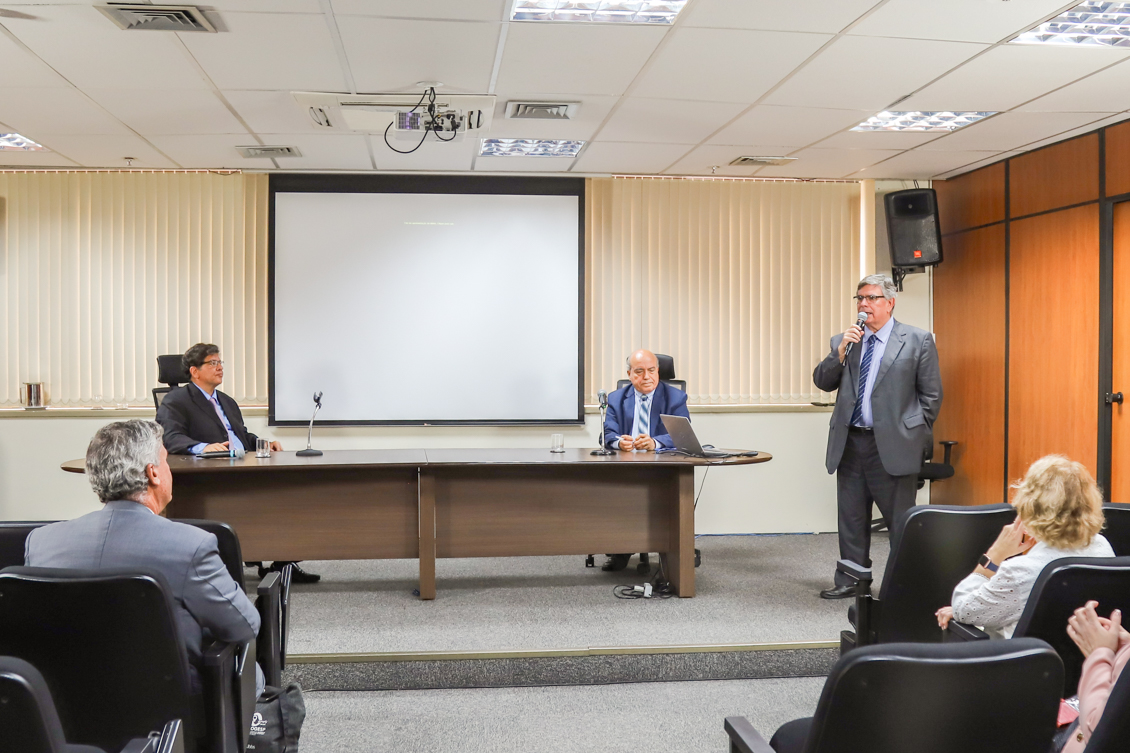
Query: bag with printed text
column 277, row 723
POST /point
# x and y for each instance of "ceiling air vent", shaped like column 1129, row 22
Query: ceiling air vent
column 269, row 151
column 138, row 17
column 542, row 110
column 762, row 161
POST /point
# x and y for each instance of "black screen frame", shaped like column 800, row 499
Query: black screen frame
column 422, row 184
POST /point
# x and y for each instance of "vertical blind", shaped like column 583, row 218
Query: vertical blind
column 104, row 271
column 741, row 282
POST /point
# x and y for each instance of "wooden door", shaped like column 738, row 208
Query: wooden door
column 1120, row 367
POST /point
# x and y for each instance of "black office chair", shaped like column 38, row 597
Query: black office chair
column 1064, row 586
column 927, row 698
column 170, row 372
column 936, row 546
column 1117, row 529
column 29, row 722
column 931, row 471
column 13, row 534
column 107, row 643
column 1113, row 729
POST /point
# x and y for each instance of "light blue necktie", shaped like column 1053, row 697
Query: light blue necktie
column 234, row 443
column 643, row 419
column 864, row 372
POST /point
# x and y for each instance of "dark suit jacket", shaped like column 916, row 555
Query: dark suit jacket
column 621, row 414
column 904, row 401
column 125, row 534
column 189, row 419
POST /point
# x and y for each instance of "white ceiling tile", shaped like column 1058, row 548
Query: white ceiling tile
column 796, row 126
column 725, row 65
column 878, row 139
column 323, row 152
column 169, row 111
column 1105, row 91
column 23, row 68
column 269, row 51
column 629, row 158
column 90, row 51
column 267, row 6
column 868, row 73
column 957, row 20
column 704, row 159
column 271, row 112
column 34, row 159
column 433, row 155
column 1011, row 130
column 214, row 152
column 387, row 54
column 561, row 58
column 44, row 111
column 667, row 121
column 591, row 113
column 827, row 163
column 469, row 10
column 828, row 16
column 108, row 151
column 916, row 163
column 524, row 164
column 1008, row 75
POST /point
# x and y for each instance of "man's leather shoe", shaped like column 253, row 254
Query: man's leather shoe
column 838, row 592
column 615, row 563
column 297, row 574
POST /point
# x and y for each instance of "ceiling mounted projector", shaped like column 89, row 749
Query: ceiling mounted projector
column 401, row 116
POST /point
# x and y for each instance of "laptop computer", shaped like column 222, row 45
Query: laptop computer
column 687, row 443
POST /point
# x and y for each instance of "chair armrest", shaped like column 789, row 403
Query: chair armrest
column 169, row 740
column 948, row 445
column 856, row 572
column 743, row 737
column 270, row 606
column 229, row 695
column 960, row 632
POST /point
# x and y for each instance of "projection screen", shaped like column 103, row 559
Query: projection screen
column 423, row 300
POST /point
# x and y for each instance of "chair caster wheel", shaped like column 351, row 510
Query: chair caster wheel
column 590, row 561
column 697, row 557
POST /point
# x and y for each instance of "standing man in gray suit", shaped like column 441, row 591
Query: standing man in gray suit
column 889, row 391
column 128, row 466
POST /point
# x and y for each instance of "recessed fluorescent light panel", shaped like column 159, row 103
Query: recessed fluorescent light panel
column 923, row 122
column 598, row 11
column 529, row 148
column 13, row 142
column 1091, row 23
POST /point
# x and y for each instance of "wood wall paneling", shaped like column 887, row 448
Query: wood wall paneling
column 1118, row 159
column 971, row 200
column 1058, row 176
column 1054, row 338
column 969, row 321
column 1120, row 382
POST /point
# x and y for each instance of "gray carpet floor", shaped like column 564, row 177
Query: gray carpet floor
column 681, row 717
column 750, row 589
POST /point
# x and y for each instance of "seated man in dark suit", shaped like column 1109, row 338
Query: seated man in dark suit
column 198, row 418
column 128, row 467
column 633, row 420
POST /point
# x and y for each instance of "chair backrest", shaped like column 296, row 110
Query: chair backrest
column 28, row 721
column 1064, row 586
column 979, row 697
column 106, row 642
column 230, row 551
column 171, row 370
column 1113, row 730
column 13, row 534
column 933, row 548
column 1117, row 530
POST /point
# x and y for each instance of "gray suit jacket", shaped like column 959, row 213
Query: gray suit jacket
column 904, row 401
column 126, row 534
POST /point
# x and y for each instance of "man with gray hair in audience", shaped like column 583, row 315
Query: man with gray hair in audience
column 128, row 467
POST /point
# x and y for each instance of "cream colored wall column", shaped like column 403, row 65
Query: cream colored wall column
column 866, row 228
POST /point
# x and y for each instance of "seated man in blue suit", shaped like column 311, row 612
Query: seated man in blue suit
column 633, row 420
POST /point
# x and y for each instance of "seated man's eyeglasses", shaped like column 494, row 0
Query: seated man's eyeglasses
column 652, row 370
column 216, row 363
column 872, row 298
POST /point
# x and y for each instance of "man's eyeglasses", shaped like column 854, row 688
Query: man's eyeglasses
column 215, row 363
column 862, row 298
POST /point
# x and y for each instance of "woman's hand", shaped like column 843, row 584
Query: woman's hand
column 1090, row 632
column 1013, row 540
column 944, row 615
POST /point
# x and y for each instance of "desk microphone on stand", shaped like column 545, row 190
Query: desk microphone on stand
column 602, row 398
column 310, row 451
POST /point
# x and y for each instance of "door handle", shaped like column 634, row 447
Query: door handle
column 1115, row 398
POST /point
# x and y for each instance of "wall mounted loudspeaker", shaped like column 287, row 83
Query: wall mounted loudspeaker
column 912, row 228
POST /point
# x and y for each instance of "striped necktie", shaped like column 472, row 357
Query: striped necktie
column 643, row 415
column 864, row 372
column 233, row 440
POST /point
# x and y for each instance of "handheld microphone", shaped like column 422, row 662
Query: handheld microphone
column 859, row 322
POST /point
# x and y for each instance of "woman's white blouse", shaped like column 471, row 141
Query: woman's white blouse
column 995, row 605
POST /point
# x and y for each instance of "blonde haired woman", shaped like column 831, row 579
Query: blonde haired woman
column 1059, row 513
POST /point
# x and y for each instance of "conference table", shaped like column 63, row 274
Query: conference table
column 427, row 504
